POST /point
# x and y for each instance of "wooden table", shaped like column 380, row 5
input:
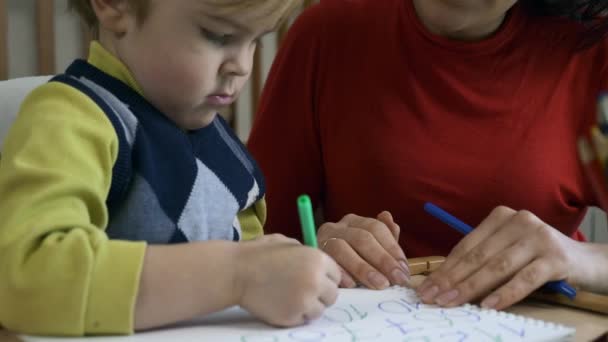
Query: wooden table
column 589, row 326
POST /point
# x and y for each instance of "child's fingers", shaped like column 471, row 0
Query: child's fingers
column 314, row 312
column 329, row 293
column 277, row 238
column 334, row 271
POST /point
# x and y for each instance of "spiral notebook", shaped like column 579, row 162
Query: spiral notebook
column 394, row 314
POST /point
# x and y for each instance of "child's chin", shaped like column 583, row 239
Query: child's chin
column 195, row 120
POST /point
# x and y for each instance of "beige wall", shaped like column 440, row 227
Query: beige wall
column 21, row 40
column 595, row 226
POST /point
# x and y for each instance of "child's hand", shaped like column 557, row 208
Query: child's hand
column 283, row 282
column 367, row 249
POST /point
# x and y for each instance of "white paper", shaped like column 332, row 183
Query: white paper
column 394, row 314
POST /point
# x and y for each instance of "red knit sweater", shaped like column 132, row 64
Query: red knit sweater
column 366, row 111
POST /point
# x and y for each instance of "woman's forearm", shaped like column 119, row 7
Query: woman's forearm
column 591, row 273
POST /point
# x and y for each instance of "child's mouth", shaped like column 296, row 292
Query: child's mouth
column 220, row 99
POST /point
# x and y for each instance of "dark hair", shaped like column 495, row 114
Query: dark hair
column 592, row 14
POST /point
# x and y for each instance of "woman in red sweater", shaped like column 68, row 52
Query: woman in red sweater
column 474, row 105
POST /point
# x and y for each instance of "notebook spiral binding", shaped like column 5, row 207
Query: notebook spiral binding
column 503, row 314
column 514, row 317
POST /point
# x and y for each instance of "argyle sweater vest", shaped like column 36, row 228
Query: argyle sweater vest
column 169, row 186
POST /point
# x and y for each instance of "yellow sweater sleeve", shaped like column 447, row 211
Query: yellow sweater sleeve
column 59, row 272
column 252, row 220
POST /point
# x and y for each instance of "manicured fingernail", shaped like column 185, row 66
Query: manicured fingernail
column 378, row 280
column 422, row 287
column 404, row 266
column 447, row 297
column 347, row 281
column 400, row 278
column 428, row 294
column 490, row 302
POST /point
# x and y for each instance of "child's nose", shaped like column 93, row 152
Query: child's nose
column 240, row 63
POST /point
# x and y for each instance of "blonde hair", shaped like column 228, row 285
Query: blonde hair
column 267, row 12
column 87, row 14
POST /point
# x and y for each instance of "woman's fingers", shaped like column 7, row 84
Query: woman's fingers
column 470, row 249
column 381, row 233
column 494, row 272
column 355, row 265
column 497, row 218
column 523, row 283
column 360, row 244
column 489, row 262
column 386, row 218
column 346, row 281
column 520, row 255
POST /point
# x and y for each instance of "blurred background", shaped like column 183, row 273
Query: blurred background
column 40, row 37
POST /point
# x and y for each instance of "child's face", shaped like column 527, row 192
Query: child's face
column 189, row 62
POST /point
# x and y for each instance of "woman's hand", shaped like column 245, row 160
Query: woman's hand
column 367, row 249
column 509, row 255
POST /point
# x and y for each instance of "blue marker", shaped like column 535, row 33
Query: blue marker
column 555, row 286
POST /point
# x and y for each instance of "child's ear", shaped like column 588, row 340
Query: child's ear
column 113, row 15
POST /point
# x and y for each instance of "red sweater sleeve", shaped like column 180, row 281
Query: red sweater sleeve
column 284, row 139
column 365, row 111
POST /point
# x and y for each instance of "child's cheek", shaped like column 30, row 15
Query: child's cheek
column 192, row 78
column 184, row 83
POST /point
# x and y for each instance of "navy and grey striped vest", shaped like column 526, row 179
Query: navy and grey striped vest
column 169, row 186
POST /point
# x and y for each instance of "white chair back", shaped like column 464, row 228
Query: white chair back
column 12, row 93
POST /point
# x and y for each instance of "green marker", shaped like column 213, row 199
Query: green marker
column 307, row 221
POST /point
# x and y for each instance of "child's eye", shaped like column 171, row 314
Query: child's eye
column 217, row 38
